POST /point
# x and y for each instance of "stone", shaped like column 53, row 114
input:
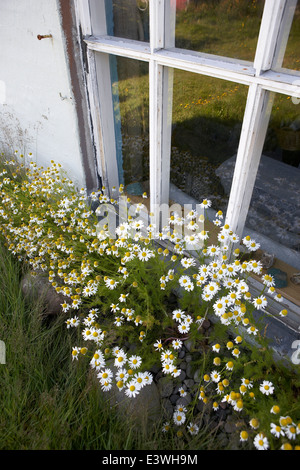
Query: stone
column 184, row 401
column 189, row 345
column 143, row 411
column 165, row 386
column 197, row 376
column 188, row 358
column 167, row 408
column 295, row 278
column 189, row 371
column 206, row 324
column 173, row 399
column 181, row 354
column 280, row 277
column 38, row 288
column 189, row 383
column 267, row 260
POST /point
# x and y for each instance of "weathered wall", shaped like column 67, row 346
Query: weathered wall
column 38, row 113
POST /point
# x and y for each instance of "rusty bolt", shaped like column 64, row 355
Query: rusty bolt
column 39, row 36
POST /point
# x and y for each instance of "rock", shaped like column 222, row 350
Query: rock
column 295, row 278
column 142, row 411
column 173, row 399
column 37, row 287
column 197, row 376
column 167, row 408
column 189, row 383
column 280, row 277
column 181, row 354
column 184, row 401
column 165, row 387
column 267, row 260
column 189, row 371
column 206, row 324
column 188, row 358
column 189, row 345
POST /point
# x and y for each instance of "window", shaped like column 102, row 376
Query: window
column 189, row 98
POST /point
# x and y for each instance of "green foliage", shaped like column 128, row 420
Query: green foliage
column 132, row 302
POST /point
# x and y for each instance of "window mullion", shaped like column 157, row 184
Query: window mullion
column 255, row 124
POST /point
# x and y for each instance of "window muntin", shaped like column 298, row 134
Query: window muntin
column 228, row 29
column 291, row 58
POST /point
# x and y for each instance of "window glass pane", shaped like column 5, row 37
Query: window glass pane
column 291, row 57
column 206, row 125
column 128, row 19
column 130, row 83
column 222, row 27
column 275, row 205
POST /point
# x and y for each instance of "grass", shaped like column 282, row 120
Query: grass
column 49, row 402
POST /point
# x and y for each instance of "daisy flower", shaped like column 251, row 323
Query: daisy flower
column 260, row 302
column 215, row 376
column 120, row 359
column 178, row 315
column 216, row 347
column 135, row 361
column 254, row 423
column 158, row 345
column 105, row 375
column 166, row 426
column 183, row 327
column 179, row 417
column 276, row 430
column 177, row 343
column 261, row 442
column 75, row 353
column 283, row 313
column 205, row 204
column 252, row 330
column 182, row 392
column 266, row 387
column 275, row 409
column 291, row 431
column 247, row 383
column 193, row 429
column 111, row 283
column 132, row 389
column 243, row 436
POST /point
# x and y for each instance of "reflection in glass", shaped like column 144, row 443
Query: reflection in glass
column 223, row 27
column 274, row 212
column 291, row 57
column 128, row 19
column 275, row 204
column 131, row 111
column 206, row 125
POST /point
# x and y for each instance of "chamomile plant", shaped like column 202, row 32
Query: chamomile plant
column 126, row 282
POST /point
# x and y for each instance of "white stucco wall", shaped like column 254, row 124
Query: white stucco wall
column 37, row 109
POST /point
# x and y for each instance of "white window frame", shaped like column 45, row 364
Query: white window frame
column 264, row 77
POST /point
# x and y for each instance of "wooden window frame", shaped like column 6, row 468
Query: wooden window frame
column 264, row 77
